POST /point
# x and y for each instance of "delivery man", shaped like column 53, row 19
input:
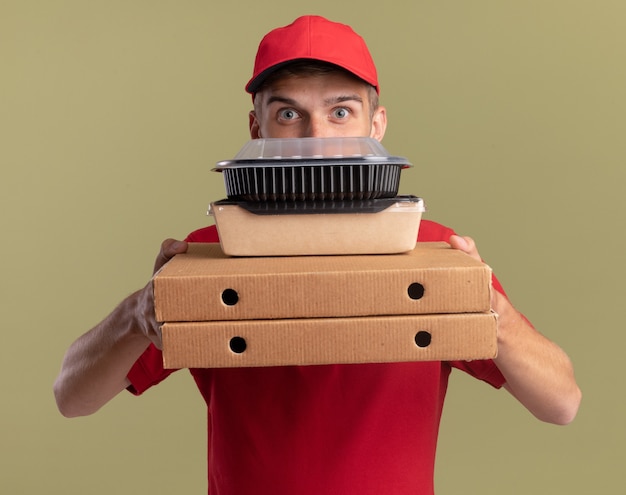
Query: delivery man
column 331, row 429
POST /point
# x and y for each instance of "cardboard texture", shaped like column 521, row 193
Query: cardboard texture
column 329, row 341
column 242, row 233
column 429, row 304
column 206, row 285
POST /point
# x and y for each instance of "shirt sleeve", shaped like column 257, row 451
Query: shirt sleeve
column 485, row 370
column 147, row 371
column 206, row 234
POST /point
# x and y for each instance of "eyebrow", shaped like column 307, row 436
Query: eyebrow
column 341, row 99
column 281, row 99
column 328, row 101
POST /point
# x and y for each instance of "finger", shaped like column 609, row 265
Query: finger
column 169, row 248
column 172, row 247
column 146, row 316
column 157, row 340
column 465, row 244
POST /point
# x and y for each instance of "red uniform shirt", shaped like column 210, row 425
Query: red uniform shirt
column 366, row 429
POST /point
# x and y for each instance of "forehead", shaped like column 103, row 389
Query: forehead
column 314, row 86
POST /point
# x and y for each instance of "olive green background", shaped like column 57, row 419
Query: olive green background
column 112, row 114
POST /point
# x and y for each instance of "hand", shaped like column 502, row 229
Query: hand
column 145, row 302
column 465, row 244
column 538, row 373
column 468, row 246
column 96, row 365
column 169, row 249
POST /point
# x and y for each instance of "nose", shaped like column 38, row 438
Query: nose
column 316, row 127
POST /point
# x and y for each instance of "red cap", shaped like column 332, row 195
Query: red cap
column 316, row 38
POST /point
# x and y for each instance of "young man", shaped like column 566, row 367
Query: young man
column 363, row 429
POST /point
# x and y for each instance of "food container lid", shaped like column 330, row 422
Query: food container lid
column 312, row 151
column 403, row 204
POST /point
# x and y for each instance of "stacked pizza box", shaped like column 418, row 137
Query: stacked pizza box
column 318, row 264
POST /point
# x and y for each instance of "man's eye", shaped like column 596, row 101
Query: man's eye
column 288, row 114
column 340, row 113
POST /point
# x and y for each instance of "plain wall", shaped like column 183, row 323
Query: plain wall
column 113, row 113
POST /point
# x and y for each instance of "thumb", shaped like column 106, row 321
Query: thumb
column 169, row 248
column 465, row 244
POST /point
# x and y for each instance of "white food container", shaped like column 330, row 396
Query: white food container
column 382, row 226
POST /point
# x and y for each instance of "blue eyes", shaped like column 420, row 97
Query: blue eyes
column 288, row 114
column 340, row 113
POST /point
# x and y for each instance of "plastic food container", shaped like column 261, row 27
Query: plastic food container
column 312, row 169
column 379, row 226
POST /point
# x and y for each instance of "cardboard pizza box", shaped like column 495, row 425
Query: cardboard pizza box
column 204, row 284
column 314, row 341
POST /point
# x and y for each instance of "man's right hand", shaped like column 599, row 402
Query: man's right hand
column 96, row 365
column 145, row 316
